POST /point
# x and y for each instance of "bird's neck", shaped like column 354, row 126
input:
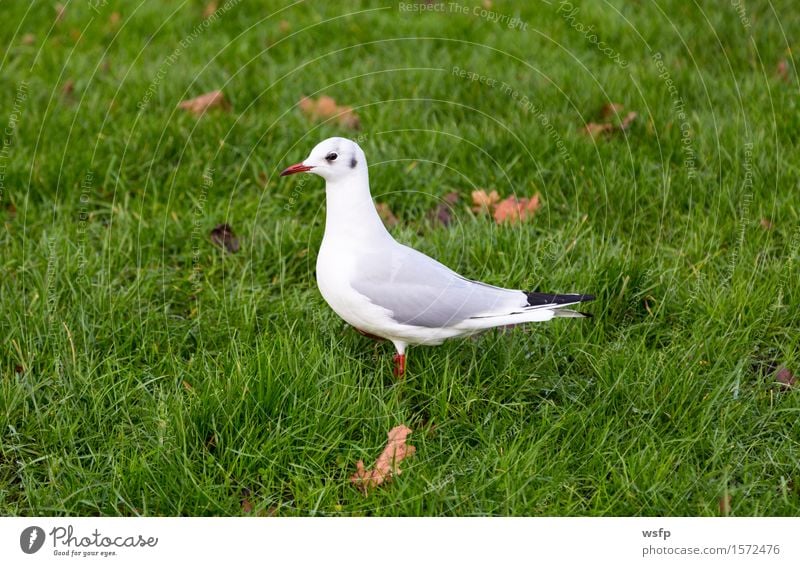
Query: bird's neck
column 351, row 213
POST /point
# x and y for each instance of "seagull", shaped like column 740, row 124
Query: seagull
column 387, row 290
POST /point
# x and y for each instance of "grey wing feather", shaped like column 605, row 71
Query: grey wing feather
column 420, row 291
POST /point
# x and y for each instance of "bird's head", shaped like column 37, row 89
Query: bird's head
column 333, row 159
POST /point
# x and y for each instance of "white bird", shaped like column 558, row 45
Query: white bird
column 388, row 290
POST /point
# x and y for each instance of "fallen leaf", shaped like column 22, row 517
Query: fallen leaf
column 627, row 120
column 782, row 70
column 68, row 88
column 610, row 113
column 443, row 213
column 325, row 108
column 284, row 26
column 209, row 10
column 387, row 464
column 484, row 203
column 28, row 39
column 766, row 224
column 247, row 506
column 725, row 505
column 271, row 511
column 187, row 386
column 114, row 18
column 610, row 110
column 785, row 377
column 386, row 214
column 222, row 235
column 594, row 129
column 513, row 209
column 207, row 101
column 18, row 369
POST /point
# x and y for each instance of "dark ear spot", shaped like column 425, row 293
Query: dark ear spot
column 353, row 163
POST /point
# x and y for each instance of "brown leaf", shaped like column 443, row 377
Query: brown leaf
column 222, row 235
column 18, row 369
column 610, row 113
column 209, row 10
column 443, row 213
column 284, row 26
column 28, row 39
column 60, row 8
column 785, row 377
column 386, row 214
column 386, row 466
column 114, row 18
column 725, row 505
column 611, row 110
column 484, row 203
column 766, row 224
column 627, row 120
column 325, row 108
column 271, row 511
column 782, row 70
column 68, row 88
column 187, row 386
column 207, row 101
column 594, row 129
column 512, row 209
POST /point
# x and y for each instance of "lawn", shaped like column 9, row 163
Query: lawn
column 144, row 370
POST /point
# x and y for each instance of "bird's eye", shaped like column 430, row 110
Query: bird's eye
column 332, row 156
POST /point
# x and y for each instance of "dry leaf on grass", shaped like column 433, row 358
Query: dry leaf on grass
column 509, row 210
column 513, row 209
column 613, row 122
column 610, row 110
column 785, row 378
column 766, row 224
column 284, row 26
column 484, row 203
column 387, row 464
column 207, row 101
column 386, row 214
column 325, row 108
column 222, row 235
column 209, row 10
column 28, row 39
column 443, row 213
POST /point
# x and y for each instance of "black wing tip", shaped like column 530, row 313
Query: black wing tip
column 539, row 299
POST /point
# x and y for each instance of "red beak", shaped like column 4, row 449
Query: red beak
column 296, row 168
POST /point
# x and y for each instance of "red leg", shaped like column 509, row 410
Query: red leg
column 399, row 365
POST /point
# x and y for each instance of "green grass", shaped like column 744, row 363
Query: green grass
column 144, row 371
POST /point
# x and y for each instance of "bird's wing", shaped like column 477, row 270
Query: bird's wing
column 420, row 291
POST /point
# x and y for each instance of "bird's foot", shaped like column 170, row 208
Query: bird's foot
column 399, row 365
